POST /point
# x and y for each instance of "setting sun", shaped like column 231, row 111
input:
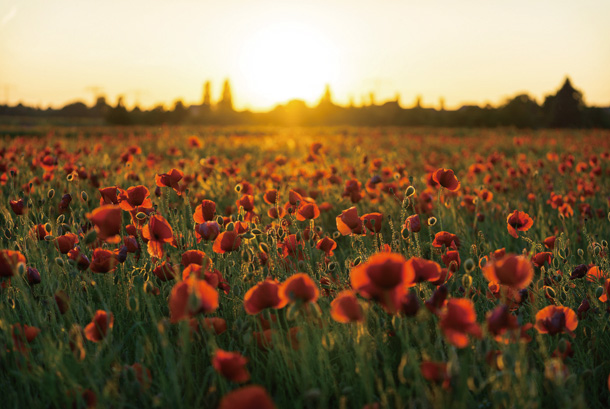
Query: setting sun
column 287, row 61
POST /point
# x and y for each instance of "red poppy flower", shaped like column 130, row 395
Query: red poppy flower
column 512, row 271
column 107, row 220
column 170, row 179
column 135, row 197
column 248, row 397
column 450, row 240
column 165, row 271
column 423, row 270
column 346, row 308
column 413, row 223
column 348, row 222
column 231, row 365
column 82, row 262
column 157, row 232
column 270, row 196
column 247, row 202
column 518, row 221
column 501, row 320
column 451, row 259
column 384, row 278
column 542, row 258
column 372, row 222
column 446, row 178
column 39, row 231
column 409, row 304
column 193, row 257
column 22, row 334
column 207, row 231
column 109, row 196
column 299, row 287
column 308, row 211
column 141, row 373
column 458, row 320
column 549, row 242
column 216, row 324
column 18, row 207
column 556, row 319
column 33, row 276
column 327, row 245
column 226, row 242
column 9, row 261
column 98, row 328
column 191, row 297
column 104, row 261
column 205, row 212
column 436, row 372
column 263, row 295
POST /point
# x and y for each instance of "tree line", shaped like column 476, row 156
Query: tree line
column 564, row 109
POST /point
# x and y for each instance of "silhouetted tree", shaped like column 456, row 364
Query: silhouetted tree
column 565, row 108
column 521, row 111
column 206, row 103
column 226, row 103
column 118, row 115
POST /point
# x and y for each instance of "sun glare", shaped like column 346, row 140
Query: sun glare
column 287, row 61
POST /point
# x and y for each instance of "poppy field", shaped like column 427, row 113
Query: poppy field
column 368, row 268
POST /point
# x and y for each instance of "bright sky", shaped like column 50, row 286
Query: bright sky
column 153, row 51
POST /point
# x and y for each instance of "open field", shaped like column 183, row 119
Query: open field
column 304, row 268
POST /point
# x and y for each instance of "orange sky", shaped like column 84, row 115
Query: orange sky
column 468, row 51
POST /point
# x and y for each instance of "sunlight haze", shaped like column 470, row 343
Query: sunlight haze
column 468, row 52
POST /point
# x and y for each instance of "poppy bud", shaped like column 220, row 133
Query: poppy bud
column 466, row 281
column 336, row 235
column 432, row 221
column 357, row 261
column 48, row 237
column 230, row 227
column 263, row 247
column 84, row 196
column 59, row 261
column 21, row 268
column 90, row 237
column 47, row 227
column 220, row 220
column 580, row 253
column 70, row 177
column 410, row 191
column 604, row 244
column 238, row 188
column 469, row 265
column 333, row 266
column 549, row 292
column 51, row 193
column 248, row 235
column 599, row 292
column 405, row 233
column 133, row 303
column 257, row 232
column 61, row 219
column 141, row 216
column 482, row 261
